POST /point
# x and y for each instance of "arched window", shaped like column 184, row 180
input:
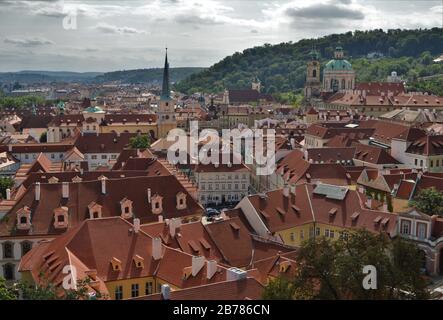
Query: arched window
column 314, row 73
column 343, row 84
column 8, row 250
column 9, row 271
column 26, row 247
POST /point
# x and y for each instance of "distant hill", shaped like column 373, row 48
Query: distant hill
column 281, row 67
column 153, row 75
column 29, row 77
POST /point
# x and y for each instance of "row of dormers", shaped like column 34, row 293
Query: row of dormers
column 95, row 210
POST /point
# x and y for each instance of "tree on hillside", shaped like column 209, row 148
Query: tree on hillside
column 281, row 67
column 327, row 269
column 430, row 201
column 140, row 142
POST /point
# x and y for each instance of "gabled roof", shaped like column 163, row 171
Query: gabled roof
column 247, row 289
column 81, row 194
column 306, row 207
column 428, row 146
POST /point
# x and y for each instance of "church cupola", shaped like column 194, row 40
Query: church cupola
column 338, row 53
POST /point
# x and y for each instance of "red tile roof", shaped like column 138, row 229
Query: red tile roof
column 82, row 194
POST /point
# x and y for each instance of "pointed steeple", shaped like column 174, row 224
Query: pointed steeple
column 166, row 94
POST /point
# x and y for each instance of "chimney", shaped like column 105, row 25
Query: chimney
column 136, row 224
column 166, row 291
column 156, row 248
column 235, row 274
column 149, row 195
column 37, row 191
column 211, row 268
column 8, row 194
column 65, row 190
column 174, row 224
column 197, row 264
column 103, row 180
column 369, row 202
column 160, row 218
column 286, row 191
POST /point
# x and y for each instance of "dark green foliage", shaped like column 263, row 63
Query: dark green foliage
column 20, row 102
column 147, row 75
column 281, row 67
column 44, row 137
column 327, row 269
column 429, row 201
column 140, row 142
column 5, row 183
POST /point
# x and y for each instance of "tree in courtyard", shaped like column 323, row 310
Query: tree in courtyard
column 328, row 269
column 430, row 201
column 140, row 142
column 5, row 183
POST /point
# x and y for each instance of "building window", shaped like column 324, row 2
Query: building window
column 148, row 288
column 416, row 161
column 292, row 236
column 331, row 234
column 405, row 227
column 104, row 156
column 9, row 271
column 421, row 230
column 134, row 290
column 26, row 247
column 8, row 251
column 94, row 157
column 118, row 293
column 302, row 234
column 421, row 163
column 432, row 163
column 317, row 231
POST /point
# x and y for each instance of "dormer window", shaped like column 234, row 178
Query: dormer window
column 139, row 261
column 116, row 264
column 53, row 180
column 24, row 218
column 126, row 208
column 95, row 210
column 61, row 218
column 157, row 204
column 181, row 201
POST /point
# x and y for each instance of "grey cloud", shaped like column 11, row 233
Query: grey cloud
column 195, row 20
column 325, row 11
column 28, row 42
column 107, row 28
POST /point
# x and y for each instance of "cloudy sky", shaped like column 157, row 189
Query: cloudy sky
column 91, row 35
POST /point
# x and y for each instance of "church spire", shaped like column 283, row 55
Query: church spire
column 166, row 94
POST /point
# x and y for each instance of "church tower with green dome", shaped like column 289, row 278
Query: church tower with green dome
column 338, row 74
column 166, row 106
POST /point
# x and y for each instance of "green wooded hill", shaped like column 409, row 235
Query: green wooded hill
column 281, row 67
column 153, row 75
